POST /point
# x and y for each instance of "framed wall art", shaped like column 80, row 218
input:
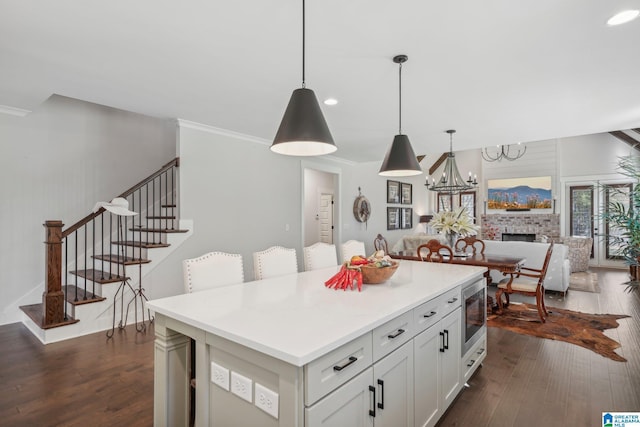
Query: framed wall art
column 393, row 218
column 407, row 218
column 407, row 193
column 519, row 193
column 393, row 191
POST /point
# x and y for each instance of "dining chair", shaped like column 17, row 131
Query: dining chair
column 437, row 252
column 380, row 244
column 528, row 281
column 470, row 244
column 274, row 261
column 212, row 270
column 319, row 255
column 351, row 248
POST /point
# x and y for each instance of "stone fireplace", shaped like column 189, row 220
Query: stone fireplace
column 516, row 225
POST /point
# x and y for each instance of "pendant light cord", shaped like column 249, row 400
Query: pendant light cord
column 303, row 43
column 400, row 99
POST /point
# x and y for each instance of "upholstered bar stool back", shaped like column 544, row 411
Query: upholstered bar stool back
column 212, row 270
column 351, row 248
column 274, row 261
column 320, row 255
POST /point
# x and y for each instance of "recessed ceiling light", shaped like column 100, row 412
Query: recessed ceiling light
column 623, row 17
column 330, row 101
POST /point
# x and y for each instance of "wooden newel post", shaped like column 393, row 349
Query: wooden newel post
column 53, row 297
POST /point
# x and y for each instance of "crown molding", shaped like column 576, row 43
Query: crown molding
column 13, row 111
column 225, row 132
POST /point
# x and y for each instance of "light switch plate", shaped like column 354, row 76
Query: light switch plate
column 241, row 386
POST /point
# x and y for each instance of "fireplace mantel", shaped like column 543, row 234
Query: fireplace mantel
column 524, row 223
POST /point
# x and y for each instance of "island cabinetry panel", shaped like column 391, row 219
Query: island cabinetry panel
column 380, row 396
column 328, row 372
column 437, row 373
column 474, row 357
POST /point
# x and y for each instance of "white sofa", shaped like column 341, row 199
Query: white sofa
column 557, row 278
column 409, row 244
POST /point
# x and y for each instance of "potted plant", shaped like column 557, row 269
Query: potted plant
column 623, row 218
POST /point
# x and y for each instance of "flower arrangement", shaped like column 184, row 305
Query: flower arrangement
column 491, row 231
column 457, row 221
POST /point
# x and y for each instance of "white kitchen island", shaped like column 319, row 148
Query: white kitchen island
column 288, row 351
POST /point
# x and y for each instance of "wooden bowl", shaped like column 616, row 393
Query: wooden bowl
column 372, row 275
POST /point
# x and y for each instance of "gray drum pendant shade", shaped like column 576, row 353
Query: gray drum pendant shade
column 400, row 160
column 303, row 130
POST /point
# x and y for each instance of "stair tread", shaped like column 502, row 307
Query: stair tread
column 137, row 244
column 83, row 297
column 158, row 230
column 161, row 217
column 169, row 206
column 119, row 259
column 98, row 276
column 34, row 311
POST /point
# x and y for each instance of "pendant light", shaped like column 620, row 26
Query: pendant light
column 400, row 160
column 451, row 181
column 303, row 130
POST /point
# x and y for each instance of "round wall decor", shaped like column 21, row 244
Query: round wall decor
column 361, row 208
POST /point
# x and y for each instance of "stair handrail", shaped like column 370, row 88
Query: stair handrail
column 53, row 300
column 173, row 163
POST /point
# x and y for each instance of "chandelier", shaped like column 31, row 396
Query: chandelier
column 504, row 152
column 451, row 181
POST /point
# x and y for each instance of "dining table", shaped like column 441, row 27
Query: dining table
column 509, row 266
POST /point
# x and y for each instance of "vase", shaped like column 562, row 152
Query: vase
column 452, row 238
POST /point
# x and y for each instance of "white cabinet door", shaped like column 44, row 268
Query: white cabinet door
column 393, row 377
column 348, row 406
column 451, row 358
column 426, row 347
column 437, row 369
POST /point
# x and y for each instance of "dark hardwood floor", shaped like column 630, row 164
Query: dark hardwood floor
column 525, row 381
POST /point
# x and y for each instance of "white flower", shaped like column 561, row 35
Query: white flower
column 457, row 221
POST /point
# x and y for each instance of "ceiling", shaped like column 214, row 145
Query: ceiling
column 497, row 71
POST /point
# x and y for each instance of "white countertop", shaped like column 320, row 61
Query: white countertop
column 297, row 319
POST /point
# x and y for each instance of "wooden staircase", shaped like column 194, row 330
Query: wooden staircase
column 107, row 263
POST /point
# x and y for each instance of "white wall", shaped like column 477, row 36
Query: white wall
column 55, row 164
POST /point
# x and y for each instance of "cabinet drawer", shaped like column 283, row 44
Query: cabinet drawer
column 328, row 372
column 450, row 301
column 428, row 314
column 392, row 335
column 474, row 357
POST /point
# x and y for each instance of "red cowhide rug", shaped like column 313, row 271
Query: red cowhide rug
column 583, row 329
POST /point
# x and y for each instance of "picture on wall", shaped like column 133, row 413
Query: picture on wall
column 519, row 193
column 407, row 198
column 393, row 191
column 407, row 218
column 393, row 218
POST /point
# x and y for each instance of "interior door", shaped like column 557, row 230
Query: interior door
column 326, row 218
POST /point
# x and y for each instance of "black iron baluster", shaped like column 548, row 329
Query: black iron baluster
column 102, row 246
column 85, row 262
column 173, row 196
column 93, row 257
column 75, row 256
column 66, row 276
column 110, row 246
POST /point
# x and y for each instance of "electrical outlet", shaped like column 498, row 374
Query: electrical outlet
column 267, row 400
column 241, row 386
column 220, row 376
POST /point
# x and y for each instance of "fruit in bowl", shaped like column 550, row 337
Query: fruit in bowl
column 372, row 270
